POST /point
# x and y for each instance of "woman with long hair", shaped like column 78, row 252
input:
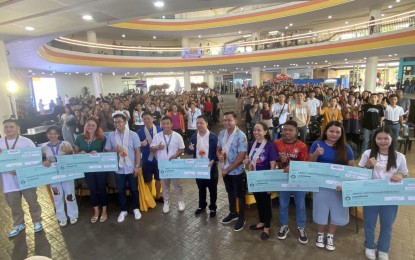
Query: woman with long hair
column 68, row 125
column 332, row 148
column 387, row 164
column 93, row 141
column 62, row 192
column 262, row 156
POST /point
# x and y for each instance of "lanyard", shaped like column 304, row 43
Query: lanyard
column 14, row 144
column 55, row 152
column 167, row 143
column 192, row 113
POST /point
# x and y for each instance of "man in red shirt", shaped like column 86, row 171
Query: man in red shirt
column 289, row 148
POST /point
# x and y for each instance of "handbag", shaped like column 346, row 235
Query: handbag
column 276, row 120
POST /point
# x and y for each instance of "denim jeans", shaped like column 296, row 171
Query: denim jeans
column 122, row 180
column 299, row 199
column 367, row 136
column 303, row 133
column 387, row 215
column 395, row 130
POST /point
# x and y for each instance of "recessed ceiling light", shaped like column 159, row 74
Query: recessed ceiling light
column 346, row 22
column 390, row 55
column 29, row 28
column 286, row 27
column 382, row 15
column 87, row 17
column 345, row 59
column 329, row 17
column 247, row 35
column 390, row 6
column 291, row 24
column 154, row 37
column 199, row 36
column 123, row 35
column 395, row 54
column 398, row 1
column 164, row 17
column 239, row 32
column 159, row 4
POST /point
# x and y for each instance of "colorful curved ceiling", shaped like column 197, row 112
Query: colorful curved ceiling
column 230, row 20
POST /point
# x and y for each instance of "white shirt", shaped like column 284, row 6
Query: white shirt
column 10, row 183
column 176, row 143
column 191, row 118
column 393, row 114
column 313, row 104
column 276, row 111
column 139, row 118
column 379, row 171
column 202, row 144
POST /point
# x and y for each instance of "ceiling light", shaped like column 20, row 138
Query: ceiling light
column 346, row 22
column 273, row 32
column 159, row 4
column 325, row 61
column 329, row 17
column 390, row 6
column 398, row 1
column 395, row 54
column 164, row 17
column 154, row 37
column 123, row 35
column 199, row 36
column 382, row 15
column 286, row 27
column 247, row 35
column 390, row 55
column 239, row 32
column 291, row 24
column 87, row 17
column 345, row 59
column 29, row 28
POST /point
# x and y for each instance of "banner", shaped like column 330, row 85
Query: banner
column 229, row 49
column 191, row 52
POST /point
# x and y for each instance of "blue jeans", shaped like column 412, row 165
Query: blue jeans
column 299, row 198
column 122, row 180
column 395, row 130
column 367, row 136
column 387, row 215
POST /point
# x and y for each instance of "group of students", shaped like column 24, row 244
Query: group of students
column 228, row 153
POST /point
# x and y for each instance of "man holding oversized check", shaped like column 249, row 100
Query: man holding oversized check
column 168, row 145
column 289, row 148
column 13, row 141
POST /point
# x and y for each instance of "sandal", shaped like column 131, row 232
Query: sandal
column 94, row 219
column 102, row 219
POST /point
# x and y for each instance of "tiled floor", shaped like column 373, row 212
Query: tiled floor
column 183, row 236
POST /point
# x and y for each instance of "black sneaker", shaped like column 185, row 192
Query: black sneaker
column 212, row 213
column 159, row 200
column 282, row 234
column 231, row 217
column 239, row 224
column 198, row 211
column 302, row 236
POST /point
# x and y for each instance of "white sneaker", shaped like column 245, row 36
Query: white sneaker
column 63, row 223
column 330, row 243
column 181, row 206
column 122, row 216
column 370, row 254
column 137, row 214
column 73, row 221
column 383, row 256
column 166, row 207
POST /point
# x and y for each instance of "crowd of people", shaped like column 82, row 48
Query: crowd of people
column 143, row 129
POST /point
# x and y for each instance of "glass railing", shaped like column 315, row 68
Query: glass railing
column 274, row 40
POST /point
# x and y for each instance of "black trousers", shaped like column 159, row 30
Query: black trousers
column 263, row 202
column 235, row 187
column 212, row 185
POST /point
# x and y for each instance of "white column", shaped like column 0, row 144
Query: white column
column 185, row 42
column 210, row 80
column 186, row 80
column 5, row 111
column 96, row 76
column 256, row 76
column 370, row 73
column 91, row 37
column 98, row 85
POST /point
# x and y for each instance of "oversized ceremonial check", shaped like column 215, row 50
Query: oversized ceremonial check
column 273, row 180
column 39, row 175
column 184, row 168
column 19, row 158
column 325, row 175
column 99, row 162
column 378, row 192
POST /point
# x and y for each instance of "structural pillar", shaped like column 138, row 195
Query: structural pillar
column 371, row 73
column 6, row 110
column 186, row 80
column 96, row 76
column 185, row 42
column 256, row 76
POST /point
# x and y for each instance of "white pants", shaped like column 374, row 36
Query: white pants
column 64, row 192
column 177, row 188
